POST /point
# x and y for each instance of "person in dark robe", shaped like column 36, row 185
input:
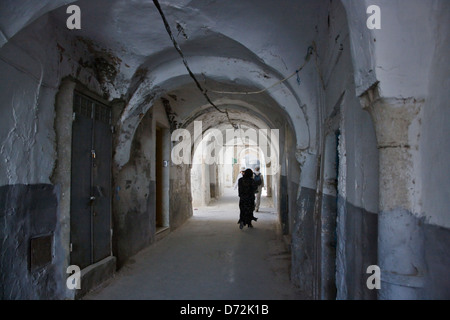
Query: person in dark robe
column 247, row 188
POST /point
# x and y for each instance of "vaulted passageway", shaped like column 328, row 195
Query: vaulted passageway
column 347, row 119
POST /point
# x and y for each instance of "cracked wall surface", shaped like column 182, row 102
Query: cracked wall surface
column 384, row 90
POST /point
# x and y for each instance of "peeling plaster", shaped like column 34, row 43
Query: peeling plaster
column 397, row 123
column 136, row 62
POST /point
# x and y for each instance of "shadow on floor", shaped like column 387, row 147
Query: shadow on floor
column 210, row 258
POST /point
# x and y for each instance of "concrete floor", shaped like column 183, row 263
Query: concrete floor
column 210, row 258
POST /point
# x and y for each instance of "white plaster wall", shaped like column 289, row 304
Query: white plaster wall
column 262, row 54
column 435, row 145
column 227, row 170
column 361, row 158
column 406, row 56
column 162, row 78
column 32, row 67
column 362, row 45
column 197, row 186
column 200, row 179
column 359, row 180
column 404, row 46
column 414, row 33
column 399, row 54
column 27, row 91
column 357, row 150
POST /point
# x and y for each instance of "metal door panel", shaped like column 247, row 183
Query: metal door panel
column 90, row 217
column 102, row 191
column 80, row 217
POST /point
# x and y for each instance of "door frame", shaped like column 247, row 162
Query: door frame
column 95, row 100
column 161, row 124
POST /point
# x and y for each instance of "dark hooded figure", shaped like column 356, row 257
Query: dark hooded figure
column 247, row 187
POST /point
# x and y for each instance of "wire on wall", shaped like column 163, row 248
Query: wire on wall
column 311, row 50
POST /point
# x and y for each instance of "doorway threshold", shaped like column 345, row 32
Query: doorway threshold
column 161, row 232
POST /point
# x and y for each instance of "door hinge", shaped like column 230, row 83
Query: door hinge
column 71, row 247
column 113, row 129
column 74, row 116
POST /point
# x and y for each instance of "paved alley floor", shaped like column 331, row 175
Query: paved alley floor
column 210, row 258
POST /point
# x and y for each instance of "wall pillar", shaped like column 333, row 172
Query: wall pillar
column 400, row 232
column 303, row 244
column 61, row 175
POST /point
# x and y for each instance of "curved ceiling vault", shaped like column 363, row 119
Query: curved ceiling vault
column 231, row 46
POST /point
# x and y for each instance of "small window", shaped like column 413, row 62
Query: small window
column 87, row 107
